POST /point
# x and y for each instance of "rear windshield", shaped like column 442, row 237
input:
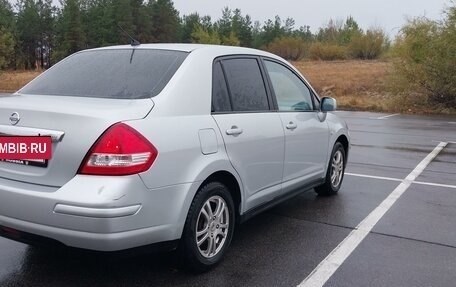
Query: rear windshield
column 116, row 74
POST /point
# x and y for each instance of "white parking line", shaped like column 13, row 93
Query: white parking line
column 447, row 141
column 453, row 123
column 435, row 184
column 384, row 117
column 334, row 260
column 398, row 179
column 373, row 176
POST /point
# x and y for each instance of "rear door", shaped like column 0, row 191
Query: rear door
column 306, row 131
column 252, row 132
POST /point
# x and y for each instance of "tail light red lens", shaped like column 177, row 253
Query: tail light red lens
column 121, row 150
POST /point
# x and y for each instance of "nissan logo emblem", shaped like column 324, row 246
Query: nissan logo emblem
column 14, row 118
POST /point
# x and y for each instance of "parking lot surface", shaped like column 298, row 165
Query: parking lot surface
column 393, row 223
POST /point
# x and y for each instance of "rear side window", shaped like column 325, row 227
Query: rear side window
column 246, row 85
column 220, row 96
column 117, row 74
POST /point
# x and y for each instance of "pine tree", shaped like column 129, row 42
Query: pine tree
column 34, row 26
column 72, row 35
column 7, row 31
column 165, row 21
column 189, row 24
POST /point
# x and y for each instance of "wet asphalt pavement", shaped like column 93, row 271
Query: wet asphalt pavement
column 414, row 243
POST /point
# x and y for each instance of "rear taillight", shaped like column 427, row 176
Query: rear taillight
column 121, row 150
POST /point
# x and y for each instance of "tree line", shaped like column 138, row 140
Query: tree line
column 36, row 33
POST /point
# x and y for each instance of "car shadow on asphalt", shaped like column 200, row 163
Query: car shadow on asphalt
column 58, row 267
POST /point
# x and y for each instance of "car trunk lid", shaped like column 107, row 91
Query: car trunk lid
column 74, row 123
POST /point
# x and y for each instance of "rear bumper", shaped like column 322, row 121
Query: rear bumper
column 85, row 240
column 36, row 240
column 96, row 213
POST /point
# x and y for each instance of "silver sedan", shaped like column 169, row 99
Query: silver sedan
column 167, row 144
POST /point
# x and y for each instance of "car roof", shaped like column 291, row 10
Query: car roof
column 222, row 50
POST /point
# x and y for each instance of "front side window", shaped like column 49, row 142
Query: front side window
column 246, row 85
column 291, row 93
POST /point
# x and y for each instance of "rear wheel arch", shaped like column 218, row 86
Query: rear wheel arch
column 230, row 181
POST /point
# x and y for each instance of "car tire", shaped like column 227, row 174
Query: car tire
column 334, row 173
column 208, row 228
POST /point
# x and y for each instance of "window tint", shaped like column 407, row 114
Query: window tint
column 246, row 85
column 291, row 93
column 120, row 74
column 220, row 97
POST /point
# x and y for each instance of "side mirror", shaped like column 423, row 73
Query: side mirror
column 328, row 104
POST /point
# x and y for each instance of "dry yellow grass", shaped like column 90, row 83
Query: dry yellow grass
column 358, row 85
column 11, row 81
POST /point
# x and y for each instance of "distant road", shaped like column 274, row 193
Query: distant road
column 4, row 94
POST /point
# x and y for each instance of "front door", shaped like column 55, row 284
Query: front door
column 306, row 131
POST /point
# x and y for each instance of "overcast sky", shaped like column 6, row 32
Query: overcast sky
column 388, row 14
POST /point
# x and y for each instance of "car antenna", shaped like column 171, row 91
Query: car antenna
column 133, row 41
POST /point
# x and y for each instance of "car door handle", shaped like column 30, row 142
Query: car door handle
column 234, row 131
column 291, row 126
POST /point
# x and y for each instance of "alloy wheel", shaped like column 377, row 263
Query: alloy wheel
column 337, row 168
column 212, row 226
